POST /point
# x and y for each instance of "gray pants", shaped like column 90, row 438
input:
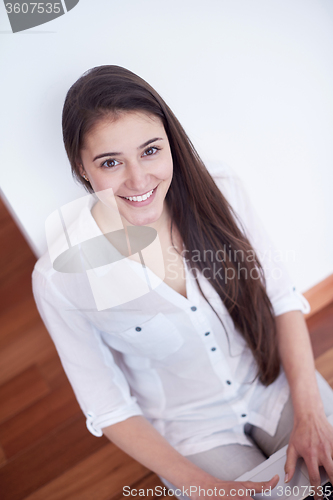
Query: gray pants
column 227, row 462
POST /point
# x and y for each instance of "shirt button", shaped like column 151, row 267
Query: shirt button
column 228, row 382
column 207, row 333
column 213, row 349
column 138, row 329
column 243, row 415
column 193, row 308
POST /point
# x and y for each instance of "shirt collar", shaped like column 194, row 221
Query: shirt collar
column 87, row 228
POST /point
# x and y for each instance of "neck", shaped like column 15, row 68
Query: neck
column 163, row 224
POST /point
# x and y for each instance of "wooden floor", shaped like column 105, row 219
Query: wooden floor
column 46, row 451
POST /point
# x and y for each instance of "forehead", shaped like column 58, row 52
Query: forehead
column 124, row 129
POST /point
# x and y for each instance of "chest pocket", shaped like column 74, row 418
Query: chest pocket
column 156, row 338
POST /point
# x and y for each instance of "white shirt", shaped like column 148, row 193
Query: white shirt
column 165, row 356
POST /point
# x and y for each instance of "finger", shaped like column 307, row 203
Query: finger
column 262, row 485
column 326, row 459
column 314, row 475
column 290, row 465
column 273, row 482
column 328, row 466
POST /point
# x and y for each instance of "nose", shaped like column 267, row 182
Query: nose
column 137, row 178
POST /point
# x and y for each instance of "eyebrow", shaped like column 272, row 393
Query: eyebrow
column 140, row 147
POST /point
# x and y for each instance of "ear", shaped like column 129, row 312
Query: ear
column 80, row 167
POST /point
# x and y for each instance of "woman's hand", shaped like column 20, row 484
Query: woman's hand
column 236, row 490
column 312, row 439
column 312, row 434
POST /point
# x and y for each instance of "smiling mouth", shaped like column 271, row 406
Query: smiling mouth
column 141, row 197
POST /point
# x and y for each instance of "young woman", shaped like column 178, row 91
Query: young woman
column 183, row 338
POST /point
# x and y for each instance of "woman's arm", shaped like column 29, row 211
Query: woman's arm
column 312, row 435
column 139, row 439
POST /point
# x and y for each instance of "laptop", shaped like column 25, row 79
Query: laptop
column 297, row 488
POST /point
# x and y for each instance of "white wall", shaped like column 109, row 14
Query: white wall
column 250, row 80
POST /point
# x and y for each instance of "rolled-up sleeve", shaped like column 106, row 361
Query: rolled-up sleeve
column 280, row 287
column 100, row 387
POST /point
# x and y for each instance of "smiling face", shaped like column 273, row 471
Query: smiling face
column 130, row 153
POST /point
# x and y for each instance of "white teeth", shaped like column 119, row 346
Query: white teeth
column 139, row 198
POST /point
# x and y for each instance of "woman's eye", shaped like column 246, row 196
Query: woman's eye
column 150, row 151
column 110, row 163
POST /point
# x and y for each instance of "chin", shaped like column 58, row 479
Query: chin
column 142, row 220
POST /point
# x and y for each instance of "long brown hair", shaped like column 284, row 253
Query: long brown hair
column 204, row 218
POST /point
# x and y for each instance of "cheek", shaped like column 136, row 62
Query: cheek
column 170, row 170
column 102, row 181
column 166, row 168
